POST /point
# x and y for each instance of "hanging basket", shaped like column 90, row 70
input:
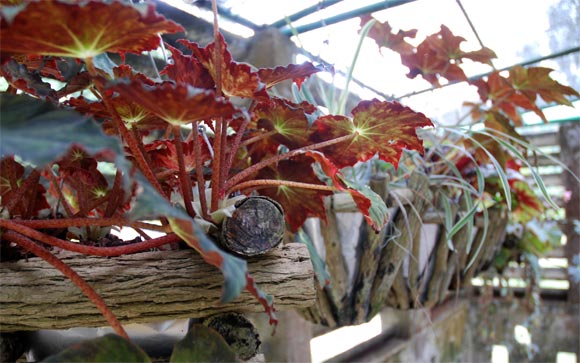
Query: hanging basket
column 410, row 264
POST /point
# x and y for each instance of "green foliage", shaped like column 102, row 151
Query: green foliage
column 202, row 344
column 39, row 132
column 106, row 349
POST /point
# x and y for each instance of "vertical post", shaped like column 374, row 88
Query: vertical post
column 570, row 156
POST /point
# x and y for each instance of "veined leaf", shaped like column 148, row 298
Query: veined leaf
column 298, row 203
column 369, row 203
column 296, row 72
column 238, row 79
column 82, row 30
column 176, row 104
column 383, row 35
column 39, row 133
column 377, row 127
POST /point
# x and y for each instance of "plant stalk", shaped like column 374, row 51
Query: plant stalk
column 268, row 183
column 264, row 163
column 129, row 138
column 199, row 171
column 87, row 289
column 184, row 180
column 84, row 249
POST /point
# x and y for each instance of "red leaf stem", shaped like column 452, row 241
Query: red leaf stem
column 259, row 137
column 87, row 289
column 218, row 50
column 88, row 250
column 266, row 162
column 61, row 197
column 199, row 171
column 268, row 183
column 219, row 147
column 85, row 222
column 184, row 180
column 86, row 207
column 127, row 136
column 116, row 195
column 222, row 154
column 236, row 143
column 216, row 168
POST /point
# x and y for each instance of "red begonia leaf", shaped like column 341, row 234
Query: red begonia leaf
column 537, row 81
column 24, row 205
column 132, row 114
column 439, row 56
column 187, row 69
column 289, row 120
column 484, row 55
column 296, row 72
column 77, row 83
column 328, row 168
column 78, row 170
column 505, row 97
column 163, row 154
column 377, row 127
column 82, row 30
column 177, row 104
column 370, row 204
column 298, row 203
column 20, row 77
column 383, row 35
column 527, row 204
column 238, row 79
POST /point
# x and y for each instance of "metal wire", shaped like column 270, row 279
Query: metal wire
column 345, row 16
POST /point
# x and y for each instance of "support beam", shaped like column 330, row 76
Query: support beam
column 144, row 287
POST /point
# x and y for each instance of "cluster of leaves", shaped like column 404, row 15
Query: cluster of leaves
column 484, row 161
column 177, row 146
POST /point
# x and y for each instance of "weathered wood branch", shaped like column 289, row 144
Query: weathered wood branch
column 144, row 287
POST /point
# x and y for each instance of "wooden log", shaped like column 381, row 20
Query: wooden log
column 144, row 287
column 394, row 252
column 368, row 254
column 439, row 271
column 482, row 250
column 460, row 241
column 337, row 267
column 255, row 227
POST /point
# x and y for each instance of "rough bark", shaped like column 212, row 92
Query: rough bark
column 395, row 251
column 145, row 287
